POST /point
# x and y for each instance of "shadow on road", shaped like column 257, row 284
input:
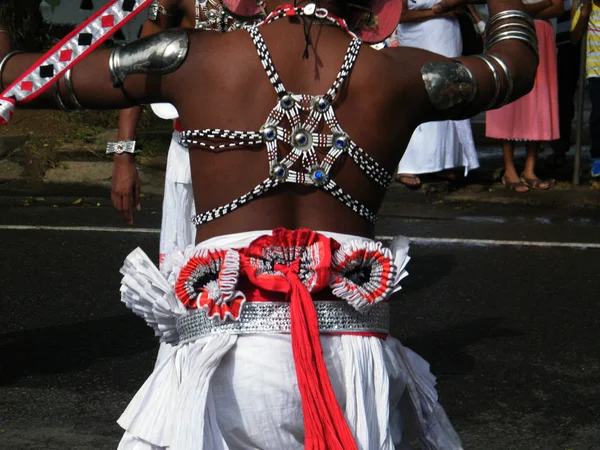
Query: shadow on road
column 447, row 348
column 431, row 269
column 68, row 348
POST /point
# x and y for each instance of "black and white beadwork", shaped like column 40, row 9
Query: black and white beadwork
column 301, row 135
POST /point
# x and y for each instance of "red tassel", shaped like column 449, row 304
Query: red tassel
column 324, row 422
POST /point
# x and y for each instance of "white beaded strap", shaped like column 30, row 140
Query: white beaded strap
column 347, row 66
column 215, row 213
column 239, row 138
column 266, row 60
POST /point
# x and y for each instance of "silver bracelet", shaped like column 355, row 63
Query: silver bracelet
column 510, row 14
column 3, row 64
column 58, row 97
column 120, row 147
column 496, row 76
column 70, row 91
column 524, row 26
column 509, row 80
column 526, row 38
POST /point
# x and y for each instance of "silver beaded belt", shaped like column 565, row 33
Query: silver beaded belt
column 274, row 317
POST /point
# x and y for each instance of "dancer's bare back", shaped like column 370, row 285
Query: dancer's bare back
column 222, row 84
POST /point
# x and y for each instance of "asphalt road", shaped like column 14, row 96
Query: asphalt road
column 511, row 331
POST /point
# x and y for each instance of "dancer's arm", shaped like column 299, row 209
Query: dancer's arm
column 459, row 94
column 125, row 185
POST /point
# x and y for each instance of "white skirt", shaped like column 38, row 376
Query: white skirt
column 228, row 391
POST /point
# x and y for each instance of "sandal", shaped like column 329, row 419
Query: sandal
column 516, row 186
column 406, row 178
column 536, row 183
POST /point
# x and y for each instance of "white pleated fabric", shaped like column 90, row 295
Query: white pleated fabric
column 230, row 392
column 436, row 146
column 177, row 231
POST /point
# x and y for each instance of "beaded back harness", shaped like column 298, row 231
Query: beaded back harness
column 301, row 135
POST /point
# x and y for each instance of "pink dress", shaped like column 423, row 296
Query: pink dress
column 533, row 117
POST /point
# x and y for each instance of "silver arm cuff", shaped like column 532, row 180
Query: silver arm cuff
column 448, row 83
column 120, row 147
column 158, row 54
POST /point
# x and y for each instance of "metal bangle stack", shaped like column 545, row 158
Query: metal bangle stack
column 506, row 25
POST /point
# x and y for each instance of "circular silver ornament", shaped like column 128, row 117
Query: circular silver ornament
column 279, row 172
column 302, row 139
column 287, row 101
column 318, row 176
column 340, row 141
column 269, row 133
column 321, row 104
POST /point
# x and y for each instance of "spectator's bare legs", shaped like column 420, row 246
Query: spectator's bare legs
column 511, row 178
column 528, row 176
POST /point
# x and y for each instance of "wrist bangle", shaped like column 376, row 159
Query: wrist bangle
column 120, row 147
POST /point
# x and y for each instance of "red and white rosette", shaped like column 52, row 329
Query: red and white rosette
column 64, row 55
column 365, row 273
column 298, row 263
column 208, row 281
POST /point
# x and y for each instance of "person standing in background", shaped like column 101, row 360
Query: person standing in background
column 533, row 118
column 587, row 15
column 178, row 205
column 568, row 61
column 434, row 146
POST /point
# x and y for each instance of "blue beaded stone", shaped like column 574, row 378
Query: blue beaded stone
column 280, row 172
column 318, row 174
column 301, row 139
column 270, row 134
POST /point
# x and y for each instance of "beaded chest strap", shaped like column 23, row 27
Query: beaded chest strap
column 301, row 136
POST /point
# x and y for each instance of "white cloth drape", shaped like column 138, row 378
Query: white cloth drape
column 177, row 230
column 436, row 146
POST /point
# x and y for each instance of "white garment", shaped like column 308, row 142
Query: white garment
column 177, row 231
column 436, row 146
column 240, row 392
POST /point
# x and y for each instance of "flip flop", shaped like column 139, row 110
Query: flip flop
column 536, row 183
column 514, row 185
column 408, row 176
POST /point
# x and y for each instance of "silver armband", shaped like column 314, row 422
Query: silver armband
column 70, row 91
column 158, row 54
column 3, row 64
column 448, row 83
column 120, row 147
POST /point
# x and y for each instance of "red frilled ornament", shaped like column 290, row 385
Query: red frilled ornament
column 208, row 281
column 297, row 263
column 363, row 273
